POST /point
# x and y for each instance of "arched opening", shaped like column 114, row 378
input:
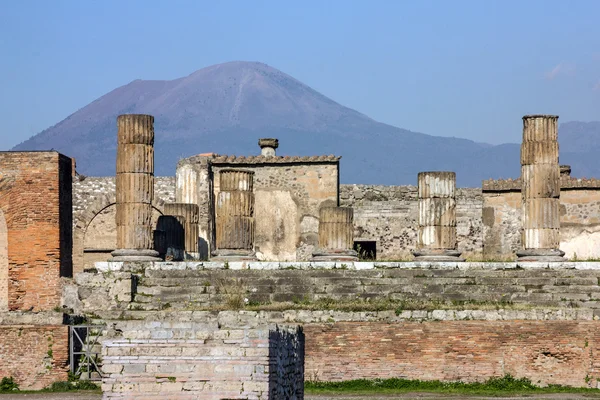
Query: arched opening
column 101, row 235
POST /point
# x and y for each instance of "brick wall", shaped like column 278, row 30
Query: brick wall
column 547, row 352
column 35, row 200
column 34, row 355
column 3, row 264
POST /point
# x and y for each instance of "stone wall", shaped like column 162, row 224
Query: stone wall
column 34, row 355
column 35, row 198
column 94, row 226
column 288, row 193
column 445, row 321
column 168, row 286
column 546, row 352
column 388, row 216
column 579, row 218
column 183, row 359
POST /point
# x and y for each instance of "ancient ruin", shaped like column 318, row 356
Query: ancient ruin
column 437, row 217
column 336, row 235
column 540, row 180
column 135, row 188
column 268, row 260
column 190, row 215
column 235, row 216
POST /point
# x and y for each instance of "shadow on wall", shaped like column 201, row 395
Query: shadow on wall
column 203, row 249
column 286, row 363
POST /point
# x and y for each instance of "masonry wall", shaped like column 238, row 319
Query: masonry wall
column 3, row 264
column 388, row 215
column 35, row 200
column 546, row 352
column 192, row 360
column 443, row 321
column 579, row 218
column 34, row 355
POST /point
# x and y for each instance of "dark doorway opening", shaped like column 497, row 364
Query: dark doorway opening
column 366, row 249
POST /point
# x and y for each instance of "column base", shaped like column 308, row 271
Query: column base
column 438, row 255
column 334, row 255
column 233, row 255
column 135, row 255
column 540, row 255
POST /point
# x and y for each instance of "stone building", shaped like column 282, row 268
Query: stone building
column 288, row 193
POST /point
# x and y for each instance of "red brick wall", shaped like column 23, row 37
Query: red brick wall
column 36, row 201
column 35, row 356
column 547, row 352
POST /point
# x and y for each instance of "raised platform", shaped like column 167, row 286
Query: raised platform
column 352, row 265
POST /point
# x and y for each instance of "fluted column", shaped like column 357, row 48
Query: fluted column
column 336, row 235
column 436, row 239
column 235, row 216
column 540, row 190
column 191, row 214
column 186, row 184
column 135, row 188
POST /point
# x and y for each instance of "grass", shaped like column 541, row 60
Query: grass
column 8, row 385
column 506, row 385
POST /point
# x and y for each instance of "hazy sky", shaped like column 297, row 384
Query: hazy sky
column 452, row 68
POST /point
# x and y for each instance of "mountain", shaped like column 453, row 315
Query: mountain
column 225, row 108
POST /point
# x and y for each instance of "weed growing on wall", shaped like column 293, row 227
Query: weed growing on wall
column 8, row 384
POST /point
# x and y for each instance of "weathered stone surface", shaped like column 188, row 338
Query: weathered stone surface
column 191, row 214
column 437, row 217
column 540, row 192
column 235, row 213
column 135, row 187
column 178, row 359
column 268, row 146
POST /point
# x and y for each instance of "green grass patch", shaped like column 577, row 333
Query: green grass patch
column 506, row 385
column 8, row 385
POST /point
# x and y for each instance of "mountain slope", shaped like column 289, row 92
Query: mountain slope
column 225, row 108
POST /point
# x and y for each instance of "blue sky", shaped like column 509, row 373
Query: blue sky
column 468, row 69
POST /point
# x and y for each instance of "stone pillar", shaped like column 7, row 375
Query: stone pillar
column 235, row 216
column 135, row 188
column 190, row 212
column 540, row 190
column 437, row 217
column 186, row 184
column 268, row 146
column 336, row 235
column 172, row 228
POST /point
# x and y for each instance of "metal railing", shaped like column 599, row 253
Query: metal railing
column 84, row 356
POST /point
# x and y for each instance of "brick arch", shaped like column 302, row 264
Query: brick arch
column 84, row 219
column 3, row 263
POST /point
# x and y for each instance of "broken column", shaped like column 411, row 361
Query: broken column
column 135, row 188
column 190, row 212
column 235, row 216
column 540, row 190
column 336, row 235
column 268, row 146
column 437, row 217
